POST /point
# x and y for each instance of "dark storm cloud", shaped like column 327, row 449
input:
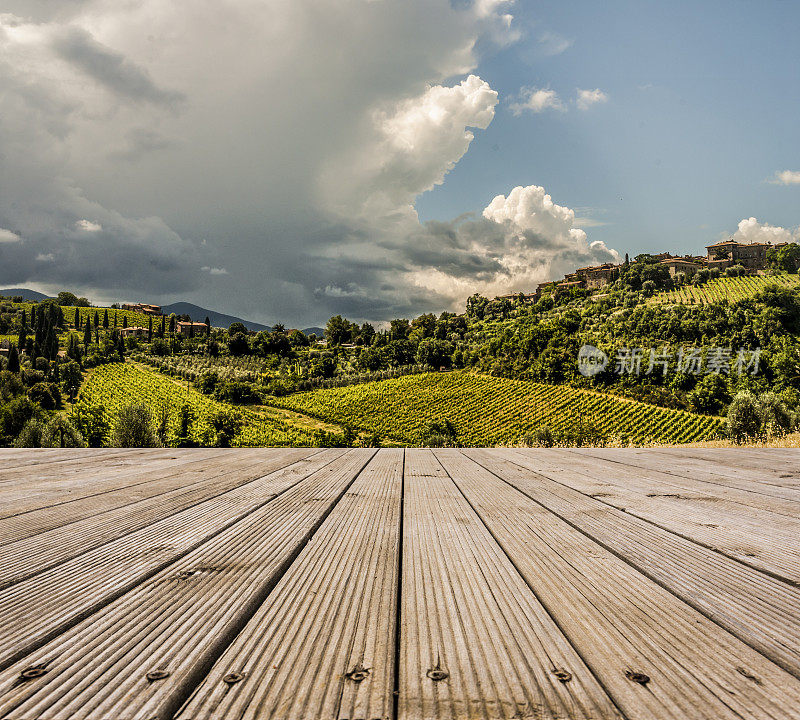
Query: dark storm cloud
column 110, row 68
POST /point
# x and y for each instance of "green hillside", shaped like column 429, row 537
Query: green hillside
column 118, row 384
column 489, row 411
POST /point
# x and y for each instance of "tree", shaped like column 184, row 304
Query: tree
column 91, row 421
column 238, row 344
column 67, row 298
column 134, row 427
column 786, row 258
column 237, row 327
column 226, row 423
column 60, row 432
column 184, row 438
column 96, row 319
column 399, row 329
column 150, row 331
column 337, row 331
column 208, row 326
column 13, row 359
column 105, row 319
column 71, row 378
column 87, row 333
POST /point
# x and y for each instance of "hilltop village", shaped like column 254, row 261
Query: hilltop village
column 750, row 258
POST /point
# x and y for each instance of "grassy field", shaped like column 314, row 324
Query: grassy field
column 116, row 384
column 725, row 288
column 491, row 411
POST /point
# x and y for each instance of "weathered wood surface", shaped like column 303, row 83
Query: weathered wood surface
column 409, row 584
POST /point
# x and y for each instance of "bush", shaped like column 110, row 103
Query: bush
column 47, row 395
column 225, row 423
column 134, row 427
column 61, row 433
column 90, row 420
column 440, row 433
column 541, row 437
column 761, row 417
column 31, row 435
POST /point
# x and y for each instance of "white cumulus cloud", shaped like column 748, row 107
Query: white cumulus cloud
column 586, row 98
column 6, row 236
column 214, row 270
column 536, row 100
column 751, row 230
column 786, row 177
column 88, row 226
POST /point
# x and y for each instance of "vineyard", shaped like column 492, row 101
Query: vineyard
column 490, row 411
column 116, row 384
column 730, row 289
column 190, row 367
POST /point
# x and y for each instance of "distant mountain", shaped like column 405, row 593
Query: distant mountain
column 26, row 294
column 199, row 314
column 318, row 331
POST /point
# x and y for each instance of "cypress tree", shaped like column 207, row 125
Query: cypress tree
column 105, row 319
column 13, row 359
column 124, row 321
column 23, row 334
column 29, row 347
column 87, row 332
column 115, row 319
column 172, row 324
column 77, row 319
column 163, row 326
column 208, row 326
column 96, row 319
column 150, row 331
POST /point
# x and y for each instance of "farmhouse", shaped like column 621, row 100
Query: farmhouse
column 135, row 332
column 727, row 253
column 190, row 329
column 677, row 265
column 143, row 308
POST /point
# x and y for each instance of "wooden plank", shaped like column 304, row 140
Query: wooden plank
column 38, row 609
column 724, row 469
column 91, row 478
column 24, row 558
column 730, row 528
column 697, row 479
column 621, row 622
column 323, row 643
column 174, row 626
column 758, row 609
column 467, row 612
column 121, row 492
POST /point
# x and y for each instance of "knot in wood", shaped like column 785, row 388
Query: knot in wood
column 637, row 677
column 563, row 675
column 233, row 678
column 157, row 674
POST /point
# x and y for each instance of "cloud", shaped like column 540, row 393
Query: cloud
column 587, row 98
column 750, row 231
column 111, row 69
column 786, row 177
column 551, row 43
column 537, row 100
column 6, row 236
column 88, row 226
column 244, row 122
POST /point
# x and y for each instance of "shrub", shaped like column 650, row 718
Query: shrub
column 60, row 432
column 225, row 423
column 134, row 427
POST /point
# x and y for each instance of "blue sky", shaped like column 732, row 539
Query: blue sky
column 703, row 108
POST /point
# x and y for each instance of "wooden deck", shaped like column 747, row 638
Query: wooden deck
column 361, row 584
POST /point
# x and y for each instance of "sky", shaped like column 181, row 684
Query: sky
column 287, row 160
